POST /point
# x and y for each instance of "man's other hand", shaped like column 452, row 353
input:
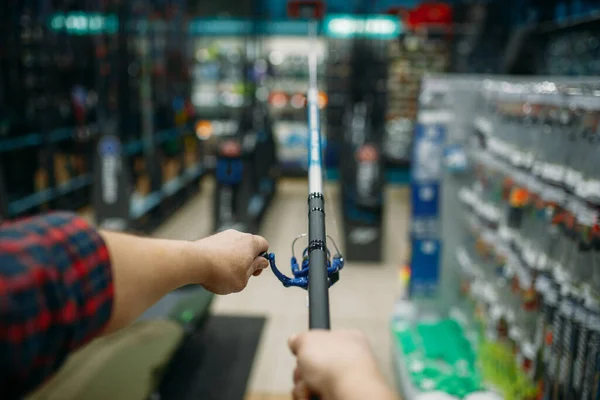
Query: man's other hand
column 336, row 365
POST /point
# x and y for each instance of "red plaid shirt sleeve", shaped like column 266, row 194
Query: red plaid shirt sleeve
column 56, row 294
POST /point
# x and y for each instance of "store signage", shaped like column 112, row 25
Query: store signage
column 425, row 199
column 425, row 268
column 346, row 26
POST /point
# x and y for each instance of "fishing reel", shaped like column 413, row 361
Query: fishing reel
column 300, row 271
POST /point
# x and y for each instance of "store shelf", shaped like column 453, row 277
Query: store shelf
column 141, row 205
column 74, row 184
column 26, row 203
column 35, row 139
column 136, row 146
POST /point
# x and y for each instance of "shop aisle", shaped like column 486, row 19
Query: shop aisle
column 363, row 299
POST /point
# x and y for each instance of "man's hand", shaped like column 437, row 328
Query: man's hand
column 231, row 258
column 336, row 365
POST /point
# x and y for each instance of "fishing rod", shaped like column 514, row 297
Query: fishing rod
column 318, row 269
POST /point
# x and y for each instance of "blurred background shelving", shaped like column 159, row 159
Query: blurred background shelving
column 180, row 118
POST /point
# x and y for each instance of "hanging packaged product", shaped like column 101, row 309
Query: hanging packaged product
column 527, row 361
column 517, row 202
column 576, row 265
column 570, row 137
column 560, row 120
column 575, row 150
column 551, row 380
column 568, row 348
column 468, row 276
column 587, row 154
column 567, row 244
column 549, row 304
column 531, row 124
column 590, row 383
column 545, row 232
column 583, row 313
column 543, row 132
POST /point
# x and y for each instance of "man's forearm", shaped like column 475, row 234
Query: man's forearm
column 144, row 270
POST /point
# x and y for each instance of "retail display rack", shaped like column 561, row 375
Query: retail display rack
column 366, row 56
column 108, row 87
column 247, row 163
column 517, row 233
column 47, row 113
column 148, row 159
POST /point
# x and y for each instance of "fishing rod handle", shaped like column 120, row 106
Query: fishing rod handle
column 318, row 287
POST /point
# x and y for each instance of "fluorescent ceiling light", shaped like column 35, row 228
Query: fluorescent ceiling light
column 349, row 26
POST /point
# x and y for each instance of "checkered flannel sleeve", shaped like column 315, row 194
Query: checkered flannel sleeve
column 56, row 294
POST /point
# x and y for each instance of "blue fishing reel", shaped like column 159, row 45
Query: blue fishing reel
column 300, row 271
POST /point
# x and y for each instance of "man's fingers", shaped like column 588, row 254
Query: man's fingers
column 257, row 265
column 297, row 375
column 257, row 272
column 260, row 244
column 301, row 391
column 294, row 343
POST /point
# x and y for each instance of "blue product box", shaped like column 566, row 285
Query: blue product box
column 425, row 199
column 425, row 267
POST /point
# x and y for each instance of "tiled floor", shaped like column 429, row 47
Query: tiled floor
column 363, row 299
